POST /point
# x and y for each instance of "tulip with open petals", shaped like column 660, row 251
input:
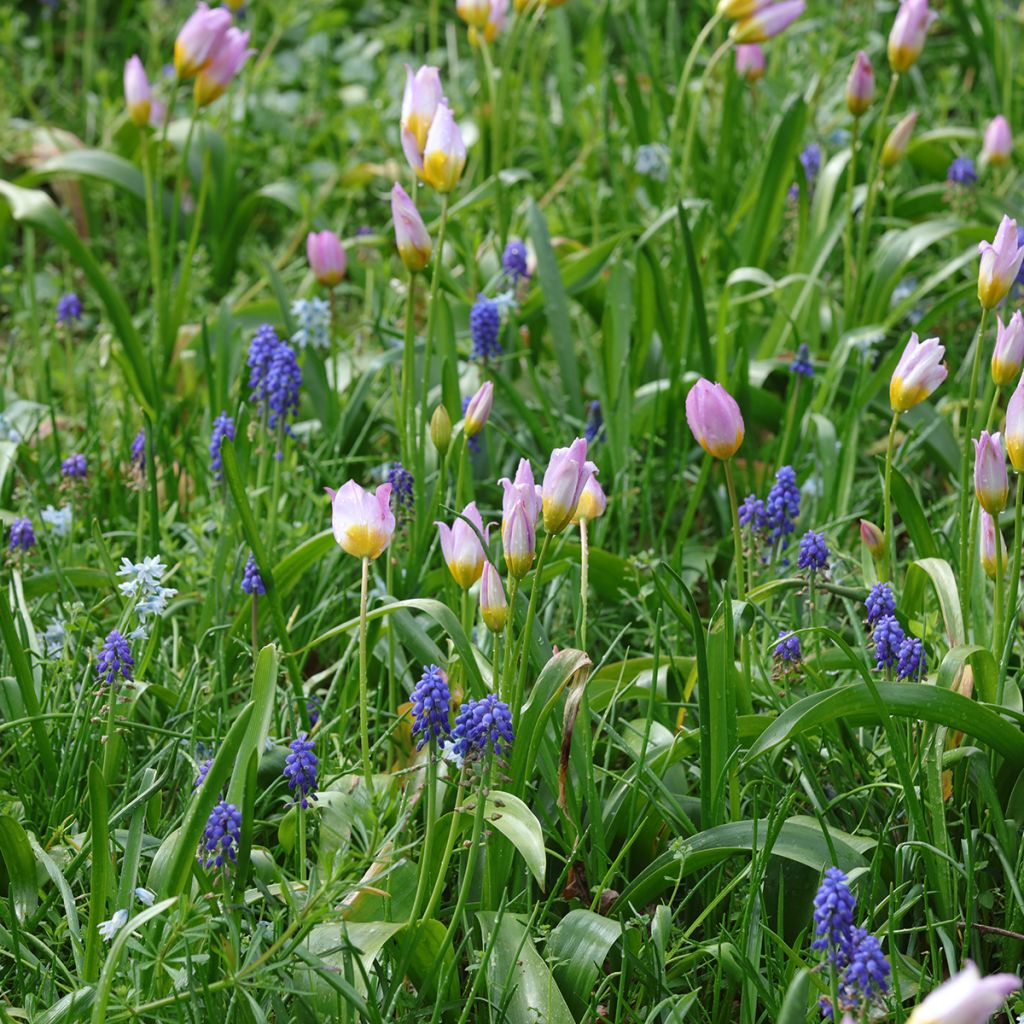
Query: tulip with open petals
column 564, row 480
column 767, row 22
column 493, row 606
column 326, row 257
column 518, row 540
column 990, row 481
column 363, row 523
column 461, row 547
column 750, row 62
column 138, row 97
column 414, row 245
column 966, row 998
column 199, row 39
column 860, row 85
column 909, row 31
column 1008, row 355
column 225, row 62
column 998, row 146
column 918, row 373
column 714, row 419
column 1000, row 263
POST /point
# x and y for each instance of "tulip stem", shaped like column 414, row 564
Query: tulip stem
column 364, row 729
column 435, row 285
column 889, row 544
column 505, row 691
column 691, row 121
column 997, row 616
column 524, row 649
column 408, row 381
column 850, row 269
column 1011, row 605
column 967, row 521
column 152, row 230
column 428, row 833
column 584, row 581
column 737, row 535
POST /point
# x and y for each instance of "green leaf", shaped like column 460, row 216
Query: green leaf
column 514, row 820
column 794, row 1006
column 937, row 572
column 913, row 516
column 96, row 164
column 264, row 693
column 102, row 868
column 517, row 977
column 19, row 865
column 576, row 948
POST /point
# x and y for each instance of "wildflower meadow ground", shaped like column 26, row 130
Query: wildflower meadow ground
column 511, row 511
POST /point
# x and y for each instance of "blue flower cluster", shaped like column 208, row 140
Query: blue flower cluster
column 485, row 328
column 894, row 649
column 223, row 428
column 961, row 171
column 22, row 536
column 483, row 723
column 204, row 770
column 813, row 552
column 594, row 427
column 848, row 949
column 776, row 517
column 880, row 602
column 74, row 467
column 514, row 260
column 753, row 513
column 313, row 709
column 252, row 581
column 802, row 364
column 787, row 651
column 431, row 703
column 401, row 481
column 69, row 307
column 221, row 836
column 138, row 451
column 300, row 768
column 274, row 378
column 115, row 660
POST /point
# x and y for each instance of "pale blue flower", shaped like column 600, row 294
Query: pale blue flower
column 57, row 519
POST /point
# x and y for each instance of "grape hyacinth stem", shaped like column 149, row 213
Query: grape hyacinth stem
column 442, row 869
column 889, row 560
column 364, row 727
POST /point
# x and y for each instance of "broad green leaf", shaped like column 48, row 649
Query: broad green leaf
column 576, row 949
column 19, row 866
column 264, row 693
column 514, row 820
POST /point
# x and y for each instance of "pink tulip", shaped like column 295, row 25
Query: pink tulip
column 990, row 481
column 1008, row 355
column 860, row 85
column 966, row 998
column 1000, row 264
column 478, row 410
column 444, row 157
column 362, row 522
column 767, row 22
column 909, row 31
column 414, row 245
column 199, row 38
column 989, row 538
column 1015, row 427
column 227, row 59
column 138, row 96
column 518, row 540
column 326, row 257
column 423, row 95
column 493, row 606
column 523, row 489
column 714, row 419
column 461, row 547
column 740, row 8
column 918, row 373
column 998, row 146
column 750, row 62
column 592, row 501
column 564, row 480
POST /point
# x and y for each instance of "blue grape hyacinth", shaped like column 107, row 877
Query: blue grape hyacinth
column 753, row 513
column 514, row 260
column 431, row 704
column 221, row 836
column 115, row 660
column 783, row 506
column 74, row 467
column 802, row 365
column 481, row 724
column 401, row 481
column 69, row 307
column 787, row 649
column 22, row 535
column 867, row 973
column 879, row 602
column 300, row 769
column 961, row 171
column 485, row 328
column 223, row 429
column 593, row 429
column 888, row 637
column 834, row 905
column 137, row 453
column 813, row 552
column 911, row 662
column 252, row 581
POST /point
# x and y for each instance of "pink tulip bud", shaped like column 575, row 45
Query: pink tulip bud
column 714, row 419
column 1015, row 427
column 860, row 85
column 493, row 606
column 990, row 481
column 564, row 480
column 909, row 31
column 362, row 522
column 767, row 22
column 966, row 998
column 444, row 157
column 740, row 8
column 895, row 147
column 998, row 146
column 874, row 539
column 592, row 501
column 461, row 547
column 478, row 410
column 474, row 12
column 138, row 97
column 1000, row 264
column 423, row 95
column 518, row 540
column 918, row 373
column 523, row 489
column 988, row 540
column 1008, row 355
column 750, row 62
column 414, row 245
column 199, row 39
column 227, row 59
column 326, row 257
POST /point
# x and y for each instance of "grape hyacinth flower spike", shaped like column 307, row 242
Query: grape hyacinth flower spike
column 300, row 770
column 431, row 707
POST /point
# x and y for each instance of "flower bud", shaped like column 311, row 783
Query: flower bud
column 714, row 419
column 326, row 257
column 564, row 480
column 990, row 481
column 895, row 148
column 592, row 501
column 461, row 547
column 767, row 22
column 988, row 540
column 1008, row 355
column 750, row 62
column 493, row 606
column 441, row 430
column 1000, row 263
column 918, row 373
column 874, row 539
column 199, row 39
column 227, row 59
column 909, row 31
column 478, row 410
column 966, row 998
column 1015, row 428
column 137, row 94
column 444, row 157
column 414, row 245
column 998, row 146
column 519, row 541
column 860, row 85
column 473, row 12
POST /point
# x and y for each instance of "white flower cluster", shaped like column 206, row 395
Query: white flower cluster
column 58, row 519
column 314, row 319
column 143, row 584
